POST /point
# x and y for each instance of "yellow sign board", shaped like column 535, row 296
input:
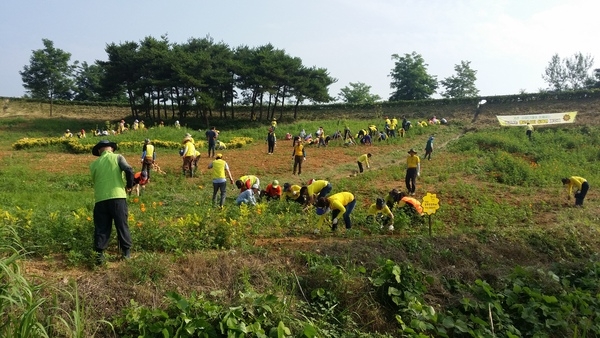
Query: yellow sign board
column 430, row 204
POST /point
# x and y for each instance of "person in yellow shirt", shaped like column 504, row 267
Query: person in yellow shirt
column 581, row 185
column 340, row 203
column 246, row 182
column 364, row 158
column 381, row 213
column 529, row 130
column 299, row 155
column 219, row 169
column 292, row 192
column 189, row 150
column 68, row 134
column 413, row 169
column 314, row 190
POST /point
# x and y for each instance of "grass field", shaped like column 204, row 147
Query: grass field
column 506, row 244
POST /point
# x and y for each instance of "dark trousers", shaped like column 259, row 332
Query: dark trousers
column 271, row 145
column 411, row 179
column 298, row 159
column 349, row 207
column 147, row 165
column 219, row 187
column 211, row 148
column 529, row 134
column 360, row 167
column 325, row 190
column 579, row 196
column 105, row 212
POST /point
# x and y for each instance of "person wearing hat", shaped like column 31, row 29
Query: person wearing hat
column 148, row 156
column 219, row 169
column 381, row 213
column 292, row 192
column 68, row 134
column 121, row 128
column 340, row 203
column 110, row 195
column 580, row 184
column 189, row 150
column 140, row 179
column 413, row 169
column 211, row 138
column 274, row 124
column 136, row 125
column 364, row 158
column 177, row 125
column 142, row 126
column 247, row 196
column 428, row 148
column 272, row 191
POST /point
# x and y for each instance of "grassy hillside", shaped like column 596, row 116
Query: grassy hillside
column 506, row 243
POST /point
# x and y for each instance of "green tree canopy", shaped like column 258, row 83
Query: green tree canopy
column 410, row 80
column 358, row 93
column 49, row 74
column 570, row 73
column 462, row 84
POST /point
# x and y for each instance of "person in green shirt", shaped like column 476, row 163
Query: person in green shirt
column 110, row 195
column 580, row 184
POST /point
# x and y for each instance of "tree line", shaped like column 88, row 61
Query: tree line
column 201, row 78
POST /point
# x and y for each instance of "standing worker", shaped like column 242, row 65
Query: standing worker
column 148, row 156
column 110, row 197
column 220, row 167
column 271, row 140
column 413, row 169
column 299, row 156
column 189, row 150
column 428, row 148
column 582, row 186
column 211, row 138
column 364, row 158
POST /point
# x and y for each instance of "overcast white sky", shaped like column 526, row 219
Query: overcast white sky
column 509, row 42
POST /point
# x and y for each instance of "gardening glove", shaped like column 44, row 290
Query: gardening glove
column 335, row 221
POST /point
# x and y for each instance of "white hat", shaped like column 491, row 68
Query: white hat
column 255, row 186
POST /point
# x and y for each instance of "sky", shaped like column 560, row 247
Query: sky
column 508, row 42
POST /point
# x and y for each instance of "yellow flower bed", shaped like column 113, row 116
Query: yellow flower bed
column 74, row 146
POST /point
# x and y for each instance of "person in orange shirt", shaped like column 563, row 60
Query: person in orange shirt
column 273, row 191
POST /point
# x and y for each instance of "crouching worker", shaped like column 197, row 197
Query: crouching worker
column 340, row 203
column 292, row 193
column 247, row 196
column 273, row 191
column 410, row 205
column 380, row 213
column 140, row 179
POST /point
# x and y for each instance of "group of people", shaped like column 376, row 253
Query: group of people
column 110, row 191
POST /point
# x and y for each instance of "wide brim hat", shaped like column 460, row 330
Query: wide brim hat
column 102, row 144
column 412, row 151
column 275, row 183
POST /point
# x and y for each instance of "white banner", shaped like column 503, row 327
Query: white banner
column 536, row 120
